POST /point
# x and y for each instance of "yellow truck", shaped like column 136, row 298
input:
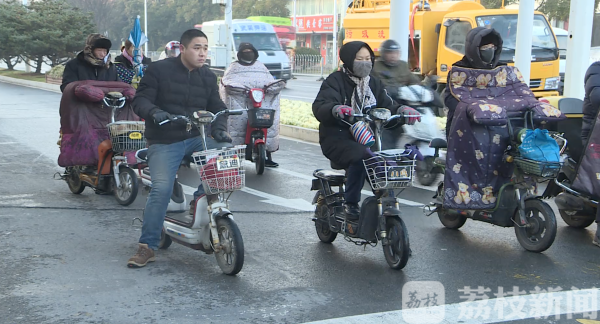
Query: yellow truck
column 438, row 31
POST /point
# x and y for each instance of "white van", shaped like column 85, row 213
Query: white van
column 261, row 35
column 562, row 37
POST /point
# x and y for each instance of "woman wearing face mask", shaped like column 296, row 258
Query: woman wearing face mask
column 93, row 63
column 247, row 71
column 343, row 94
column 482, row 51
column 125, row 63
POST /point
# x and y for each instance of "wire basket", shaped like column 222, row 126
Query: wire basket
column 390, row 169
column 127, row 136
column 221, row 170
column 261, row 118
column 537, row 168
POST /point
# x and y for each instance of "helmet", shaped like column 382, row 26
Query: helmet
column 172, row 49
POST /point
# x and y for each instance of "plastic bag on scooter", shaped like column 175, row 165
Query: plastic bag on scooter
column 539, row 146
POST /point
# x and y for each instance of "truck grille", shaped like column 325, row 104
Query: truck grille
column 535, row 83
column 273, row 66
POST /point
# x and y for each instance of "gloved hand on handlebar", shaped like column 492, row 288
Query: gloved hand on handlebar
column 340, row 111
column 160, row 116
column 222, row 136
column 410, row 113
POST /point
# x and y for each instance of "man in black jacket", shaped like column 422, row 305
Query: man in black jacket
column 93, row 63
column 174, row 86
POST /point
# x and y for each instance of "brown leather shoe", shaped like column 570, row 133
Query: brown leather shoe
column 143, row 255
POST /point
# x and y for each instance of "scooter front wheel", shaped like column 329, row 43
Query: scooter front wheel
column 397, row 250
column 425, row 176
column 165, row 240
column 540, row 232
column 127, row 190
column 231, row 256
column 261, row 158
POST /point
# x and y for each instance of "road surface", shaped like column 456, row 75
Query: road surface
column 64, row 255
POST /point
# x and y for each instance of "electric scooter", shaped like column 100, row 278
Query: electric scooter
column 517, row 204
column 211, row 229
column 112, row 173
column 380, row 217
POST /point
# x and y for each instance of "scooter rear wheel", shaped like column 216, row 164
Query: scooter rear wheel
column 451, row 221
column 165, row 240
column 578, row 222
column 127, row 191
column 397, row 250
column 261, row 158
column 231, row 256
column 74, row 182
column 541, row 233
column 325, row 234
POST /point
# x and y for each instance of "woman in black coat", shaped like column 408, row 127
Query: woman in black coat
column 93, row 63
column 124, row 63
column 591, row 105
column 343, row 94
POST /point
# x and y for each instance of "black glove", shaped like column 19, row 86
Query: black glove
column 222, row 136
column 160, row 116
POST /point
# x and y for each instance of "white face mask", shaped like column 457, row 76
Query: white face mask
column 106, row 58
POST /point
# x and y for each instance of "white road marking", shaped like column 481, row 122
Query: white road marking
column 298, row 204
column 295, row 97
column 564, row 302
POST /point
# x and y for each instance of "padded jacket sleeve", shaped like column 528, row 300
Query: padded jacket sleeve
column 145, row 97
column 215, row 105
column 330, row 95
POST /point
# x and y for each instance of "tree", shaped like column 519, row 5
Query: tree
column 13, row 17
column 247, row 8
column 55, row 32
column 102, row 11
column 558, row 9
column 496, row 4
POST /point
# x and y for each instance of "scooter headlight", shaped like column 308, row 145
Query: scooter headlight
column 257, row 95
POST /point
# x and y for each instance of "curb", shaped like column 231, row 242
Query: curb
column 31, row 84
column 300, row 133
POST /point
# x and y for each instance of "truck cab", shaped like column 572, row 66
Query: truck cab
column 261, row 35
column 544, row 52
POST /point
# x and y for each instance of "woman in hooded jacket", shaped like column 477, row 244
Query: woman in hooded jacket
column 343, row 94
column 483, row 47
column 249, row 72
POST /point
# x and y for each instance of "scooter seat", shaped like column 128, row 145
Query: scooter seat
column 438, row 143
column 335, row 178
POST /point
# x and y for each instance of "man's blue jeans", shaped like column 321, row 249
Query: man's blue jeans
column 164, row 161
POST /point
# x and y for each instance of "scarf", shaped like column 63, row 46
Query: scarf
column 362, row 96
column 90, row 58
column 130, row 58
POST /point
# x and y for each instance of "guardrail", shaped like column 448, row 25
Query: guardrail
column 310, row 64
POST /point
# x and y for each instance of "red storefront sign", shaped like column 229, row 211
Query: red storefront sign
column 321, row 23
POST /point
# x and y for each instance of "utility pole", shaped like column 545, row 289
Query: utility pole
column 27, row 67
column 229, row 22
column 581, row 18
column 524, row 39
column 294, row 14
column 335, row 32
column 399, row 21
column 146, row 26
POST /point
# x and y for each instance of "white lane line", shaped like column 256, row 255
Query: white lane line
column 543, row 305
column 296, row 97
column 298, row 204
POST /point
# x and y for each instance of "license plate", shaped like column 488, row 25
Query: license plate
column 263, row 116
column 398, row 173
column 228, row 163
